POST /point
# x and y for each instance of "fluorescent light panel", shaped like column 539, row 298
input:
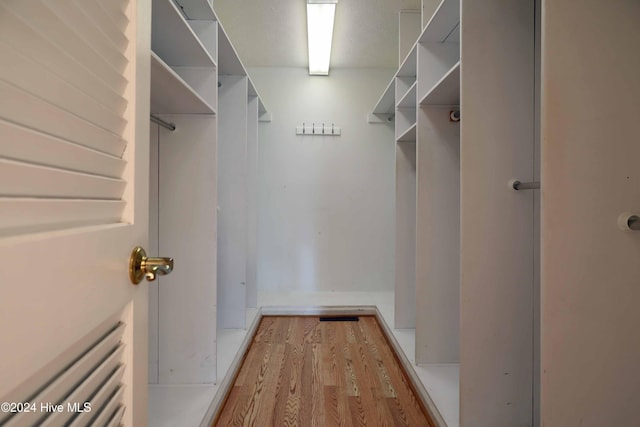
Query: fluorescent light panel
column 320, row 17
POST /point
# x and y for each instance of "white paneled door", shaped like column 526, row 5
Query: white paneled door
column 590, row 266
column 74, row 135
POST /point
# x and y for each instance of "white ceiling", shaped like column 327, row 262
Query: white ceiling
column 273, row 33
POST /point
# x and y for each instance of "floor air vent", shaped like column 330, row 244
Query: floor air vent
column 339, row 318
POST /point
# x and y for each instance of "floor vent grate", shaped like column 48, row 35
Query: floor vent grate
column 339, row 319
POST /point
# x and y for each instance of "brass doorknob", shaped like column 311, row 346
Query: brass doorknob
column 143, row 267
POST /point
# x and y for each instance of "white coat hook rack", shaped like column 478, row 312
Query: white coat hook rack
column 318, row 129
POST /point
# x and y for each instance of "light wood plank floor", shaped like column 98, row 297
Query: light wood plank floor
column 300, row 371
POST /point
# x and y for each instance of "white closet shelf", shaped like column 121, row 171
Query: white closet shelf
column 408, row 67
column 173, row 39
column 386, row 102
column 262, row 110
column 230, row 64
column 198, row 10
column 444, row 25
column 409, row 135
column 409, row 98
column 207, row 33
column 170, row 94
column 446, row 91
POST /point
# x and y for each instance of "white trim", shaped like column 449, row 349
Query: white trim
column 234, row 368
column 325, row 310
column 419, row 388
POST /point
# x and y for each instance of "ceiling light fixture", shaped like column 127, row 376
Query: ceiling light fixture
column 320, row 17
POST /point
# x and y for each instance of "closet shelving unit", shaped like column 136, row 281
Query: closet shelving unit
column 476, row 306
column 439, row 52
column 405, row 85
column 196, row 10
column 174, row 40
column 498, row 227
column 232, row 66
column 438, row 188
column 405, row 97
column 424, row 89
column 409, row 98
column 191, row 53
column 179, row 63
column 446, row 92
column 386, row 103
column 170, row 94
column 240, row 109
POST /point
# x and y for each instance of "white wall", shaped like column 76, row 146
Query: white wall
column 326, row 204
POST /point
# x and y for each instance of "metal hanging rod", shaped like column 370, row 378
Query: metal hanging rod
column 517, row 185
column 162, row 123
column 633, row 222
